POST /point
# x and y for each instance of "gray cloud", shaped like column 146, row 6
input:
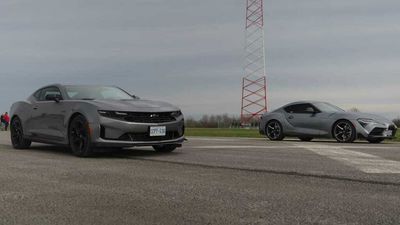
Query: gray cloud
column 190, row 52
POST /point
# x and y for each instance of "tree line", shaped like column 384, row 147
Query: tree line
column 397, row 122
column 217, row 121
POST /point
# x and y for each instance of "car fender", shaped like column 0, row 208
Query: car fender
column 88, row 110
column 334, row 118
column 74, row 107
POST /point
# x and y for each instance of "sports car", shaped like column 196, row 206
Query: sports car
column 308, row 120
column 89, row 117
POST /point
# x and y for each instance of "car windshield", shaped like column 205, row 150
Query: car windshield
column 96, row 93
column 326, row 107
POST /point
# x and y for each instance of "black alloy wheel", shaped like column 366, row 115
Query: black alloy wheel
column 79, row 137
column 344, row 131
column 274, row 131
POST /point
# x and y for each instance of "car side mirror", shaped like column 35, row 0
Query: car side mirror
column 54, row 97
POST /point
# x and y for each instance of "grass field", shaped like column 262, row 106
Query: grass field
column 248, row 133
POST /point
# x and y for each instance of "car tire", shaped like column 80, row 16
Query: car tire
column 17, row 135
column 274, row 131
column 375, row 140
column 164, row 148
column 79, row 137
column 307, row 139
column 344, row 131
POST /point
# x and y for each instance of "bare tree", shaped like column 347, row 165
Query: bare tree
column 215, row 121
column 397, row 122
column 354, row 109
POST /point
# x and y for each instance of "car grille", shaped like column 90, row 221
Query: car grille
column 146, row 137
column 144, row 117
column 377, row 132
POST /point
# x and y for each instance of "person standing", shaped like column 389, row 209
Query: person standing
column 1, row 122
column 6, row 118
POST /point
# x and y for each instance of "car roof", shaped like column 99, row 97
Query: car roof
column 50, row 85
column 302, row 102
column 74, row 85
column 63, row 86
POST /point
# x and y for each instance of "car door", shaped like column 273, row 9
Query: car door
column 304, row 118
column 48, row 116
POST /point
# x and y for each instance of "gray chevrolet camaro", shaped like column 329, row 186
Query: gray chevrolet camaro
column 86, row 117
column 308, row 120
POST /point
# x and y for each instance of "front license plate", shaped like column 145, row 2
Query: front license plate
column 158, row 131
column 388, row 133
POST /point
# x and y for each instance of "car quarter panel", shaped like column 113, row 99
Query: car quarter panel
column 279, row 116
column 22, row 109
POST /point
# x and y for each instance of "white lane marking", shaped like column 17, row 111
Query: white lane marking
column 286, row 147
column 367, row 163
column 240, row 147
column 367, row 147
column 222, row 139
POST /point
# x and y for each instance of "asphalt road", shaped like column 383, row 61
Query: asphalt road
column 208, row 181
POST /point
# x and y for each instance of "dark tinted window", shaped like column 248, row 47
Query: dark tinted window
column 96, row 92
column 326, row 107
column 49, row 91
column 37, row 94
column 300, row 108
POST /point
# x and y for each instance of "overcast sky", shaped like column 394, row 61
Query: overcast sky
column 190, row 53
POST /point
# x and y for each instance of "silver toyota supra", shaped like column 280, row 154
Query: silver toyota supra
column 308, row 120
column 86, row 117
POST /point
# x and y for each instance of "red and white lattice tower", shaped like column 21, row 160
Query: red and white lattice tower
column 254, row 90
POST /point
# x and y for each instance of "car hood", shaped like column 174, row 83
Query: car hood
column 356, row 115
column 136, row 105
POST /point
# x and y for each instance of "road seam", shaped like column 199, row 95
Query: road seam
column 277, row 172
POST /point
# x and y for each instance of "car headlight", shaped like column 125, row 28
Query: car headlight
column 365, row 122
column 176, row 114
column 105, row 113
column 112, row 113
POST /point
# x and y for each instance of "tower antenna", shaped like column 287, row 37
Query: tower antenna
column 254, row 85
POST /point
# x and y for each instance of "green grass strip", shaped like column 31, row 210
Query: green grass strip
column 216, row 132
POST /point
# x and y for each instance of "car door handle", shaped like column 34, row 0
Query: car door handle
column 291, row 117
column 35, row 108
